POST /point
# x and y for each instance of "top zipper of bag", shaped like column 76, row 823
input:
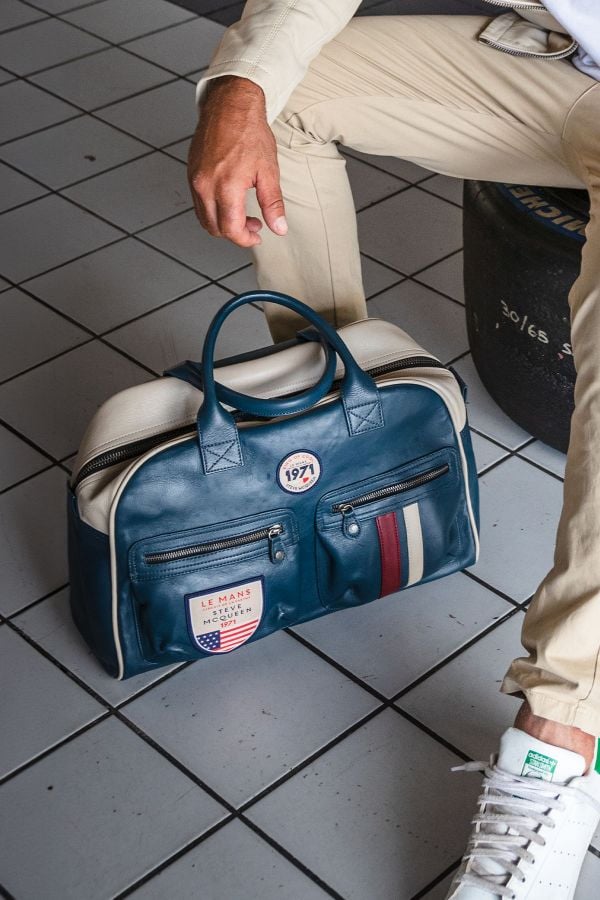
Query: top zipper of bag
column 137, row 448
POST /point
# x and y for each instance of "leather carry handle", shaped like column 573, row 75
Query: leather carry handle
column 217, row 432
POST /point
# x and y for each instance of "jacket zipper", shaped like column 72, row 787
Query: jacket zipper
column 560, row 54
column 271, row 534
column 137, row 448
column 350, row 524
column 518, row 5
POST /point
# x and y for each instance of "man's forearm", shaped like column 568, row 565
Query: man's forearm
column 273, row 44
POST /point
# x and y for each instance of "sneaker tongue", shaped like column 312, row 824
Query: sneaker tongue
column 522, row 754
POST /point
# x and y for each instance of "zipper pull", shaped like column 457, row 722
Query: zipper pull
column 350, row 525
column 276, row 548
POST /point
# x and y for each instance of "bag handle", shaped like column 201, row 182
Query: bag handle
column 217, row 432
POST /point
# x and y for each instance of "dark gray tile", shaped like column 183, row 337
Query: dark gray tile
column 259, row 729
column 181, row 49
column 436, row 323
column 257, row 871
column 369, row 184
column 44, row 44
column 166, row 336
column 117, row 283
column 17, row 459
column 25, row 108
column 53, row 404
column 95, row 815
column 40, row 705
column 160, row 116
column 45, row 234
column 33, row 527
column 74, row 150
column 520, row 508
column 402, row 636
column 546, row 456
column 116, row 21
column 444, row 186
column 50, row 624
column 462, row 701
column 185, row 239
column 376, row 815
column 16, row 188
column 102, row 78
column 14, row 14
column 435, row 230
column 446, row 277
column 138, row 194
column 31, row 333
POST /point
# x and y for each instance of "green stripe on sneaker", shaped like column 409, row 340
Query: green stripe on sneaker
column 597, row 762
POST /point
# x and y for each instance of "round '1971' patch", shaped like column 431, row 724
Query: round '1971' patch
column 299, row 471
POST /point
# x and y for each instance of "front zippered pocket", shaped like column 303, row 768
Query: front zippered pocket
column 210, row 589
column 388, row 532
column 134, row 449
column 270, row 534
column 347, row 507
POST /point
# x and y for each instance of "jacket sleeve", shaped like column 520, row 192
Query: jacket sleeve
column 274, row 43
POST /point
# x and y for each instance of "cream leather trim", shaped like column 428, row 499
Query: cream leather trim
column 414, row 541
column 113, row 553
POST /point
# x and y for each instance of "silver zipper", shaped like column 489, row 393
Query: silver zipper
column 560, row 54
column 509, row 5
column 251, row 537
column 347, row 506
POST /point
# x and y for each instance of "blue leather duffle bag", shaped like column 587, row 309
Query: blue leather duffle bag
column 315, row 475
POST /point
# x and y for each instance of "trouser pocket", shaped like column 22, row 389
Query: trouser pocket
column 209, row 590
column 382, row 534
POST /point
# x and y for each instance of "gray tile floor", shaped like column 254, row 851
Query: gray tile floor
column 313, row 764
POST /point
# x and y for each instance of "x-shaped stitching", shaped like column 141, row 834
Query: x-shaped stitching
column 365, row 419
column 220, row 456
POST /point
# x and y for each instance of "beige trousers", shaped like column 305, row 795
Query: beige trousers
column 422, row 88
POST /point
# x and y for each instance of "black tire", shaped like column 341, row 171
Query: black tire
column 522, row 249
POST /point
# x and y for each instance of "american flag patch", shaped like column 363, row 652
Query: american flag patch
column 226, row 617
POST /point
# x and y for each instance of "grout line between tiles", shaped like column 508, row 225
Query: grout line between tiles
column 28, row 440
column 77, row 5
column 424, row 891
column 56, row 746
column 36, row 602
column 501, row 620
column 423, row 188
column 348, row 151
column 187, row 848
column 373, row 203
column 22, row 481
column 491, row 588
column 537, row 465
column 5, row 894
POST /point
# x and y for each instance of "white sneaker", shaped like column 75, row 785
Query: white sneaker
column 537, row 814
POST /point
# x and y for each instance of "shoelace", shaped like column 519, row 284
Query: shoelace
column 511, row 809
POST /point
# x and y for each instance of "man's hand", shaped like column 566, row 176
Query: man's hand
column 233, row 150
